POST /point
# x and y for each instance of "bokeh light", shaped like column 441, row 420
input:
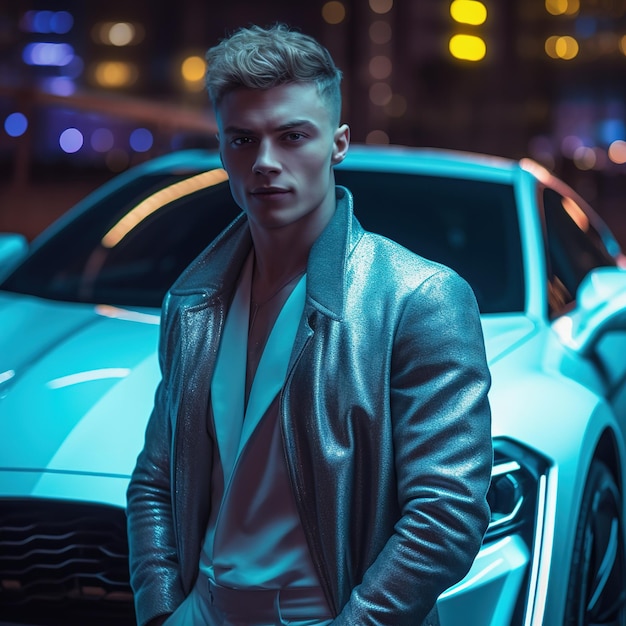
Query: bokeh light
column 141, row 140
column 569, row 145
column 15, row 124
column 380, row 94
column 117, row 34
column 562, row 7
column 48, row 54
column 102, row 140
column 58, row 85
column 585, row 158
column 381, row 6
column 562, row 47
column 377, row 137
column 71, row 140
column 59, row 22
column 115, row 74
column 193, row 69
column 121, row 34
column 467, row 47
column 617, row 152
column 380, row 32
column 333, row 12
column 380, row 67
column 468, row 12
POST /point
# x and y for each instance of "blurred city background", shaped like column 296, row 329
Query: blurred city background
column 90, row 88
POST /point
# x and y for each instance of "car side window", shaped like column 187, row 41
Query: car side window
column 575, row 247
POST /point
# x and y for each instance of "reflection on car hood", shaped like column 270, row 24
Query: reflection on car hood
column 77, row 382
column 76, row 385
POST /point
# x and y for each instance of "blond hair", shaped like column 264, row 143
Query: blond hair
column 262, row 58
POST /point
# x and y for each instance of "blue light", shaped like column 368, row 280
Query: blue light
column 41, row 21
column 586, row 27
column 61, row 22
column 71, row 140
column 141, row 140
column 611, row 130
column 59, row 85
column 15, row 124
column 52, row 54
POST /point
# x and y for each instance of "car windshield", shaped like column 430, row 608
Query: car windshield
column 126, row 251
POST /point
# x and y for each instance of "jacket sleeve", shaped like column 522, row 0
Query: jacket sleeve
column 153, row 561
column 441, row 426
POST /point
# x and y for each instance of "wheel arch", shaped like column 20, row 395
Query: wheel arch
column 607, row 451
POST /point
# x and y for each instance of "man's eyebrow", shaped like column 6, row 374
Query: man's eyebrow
column 295, row 124
column 236, row 130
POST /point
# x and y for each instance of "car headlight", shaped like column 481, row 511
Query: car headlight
column 519, row 497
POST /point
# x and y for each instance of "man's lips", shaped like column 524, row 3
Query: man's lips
column 268, row 191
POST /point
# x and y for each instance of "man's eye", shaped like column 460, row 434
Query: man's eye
column 294, row 136
column 240, row 141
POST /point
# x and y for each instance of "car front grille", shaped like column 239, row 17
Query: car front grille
column 64, row 563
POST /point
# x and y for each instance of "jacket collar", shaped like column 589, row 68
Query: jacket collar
column 214, row 273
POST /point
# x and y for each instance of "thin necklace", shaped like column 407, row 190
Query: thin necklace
column 260, row 303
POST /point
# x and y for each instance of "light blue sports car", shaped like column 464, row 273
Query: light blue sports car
column 79, row 316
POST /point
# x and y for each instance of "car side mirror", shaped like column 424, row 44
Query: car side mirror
column 13, row 249
column 600, row 308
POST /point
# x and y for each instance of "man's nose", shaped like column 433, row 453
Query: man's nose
column 267, row 159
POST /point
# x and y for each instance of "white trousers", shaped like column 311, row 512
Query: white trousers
column 199, row 610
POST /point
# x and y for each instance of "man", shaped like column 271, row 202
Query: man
column 319, row 451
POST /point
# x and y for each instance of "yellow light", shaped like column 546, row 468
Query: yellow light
column 467, row 47
column 566, row 47
column 561, row 47
column 622, row 44
column 556, row 7
column 573, row 6
column 193, row 69
column 157, row 200
column 468, row 12
column 115, row 74
column 562, row 7
column 334, row 12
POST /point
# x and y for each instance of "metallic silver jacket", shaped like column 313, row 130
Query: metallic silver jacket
column 384, row 416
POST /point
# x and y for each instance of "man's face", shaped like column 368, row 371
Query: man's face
column 278, row 147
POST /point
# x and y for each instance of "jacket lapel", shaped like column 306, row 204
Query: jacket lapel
column 272, row 368
column 229, row 377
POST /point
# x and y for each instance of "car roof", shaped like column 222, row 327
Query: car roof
column 389, row 158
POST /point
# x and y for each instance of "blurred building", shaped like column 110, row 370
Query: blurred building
column 95, row 87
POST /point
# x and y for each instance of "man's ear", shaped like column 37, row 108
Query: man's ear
column 341, row 142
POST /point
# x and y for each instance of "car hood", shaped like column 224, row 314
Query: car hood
column 77, row 382
column 76, row 385
column 504, row 332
